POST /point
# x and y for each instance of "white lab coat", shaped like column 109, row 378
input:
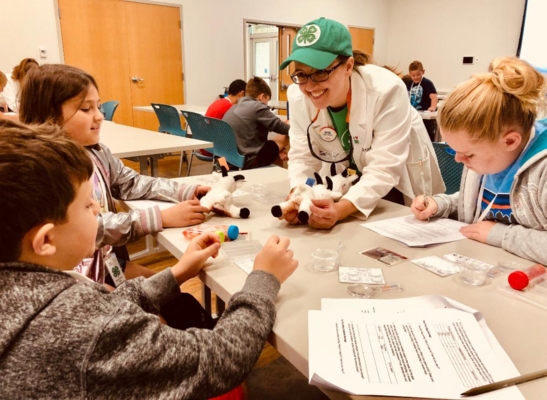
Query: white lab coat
column 11, row 94
column 388, row 136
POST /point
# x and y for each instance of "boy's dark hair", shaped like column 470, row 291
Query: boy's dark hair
column 257, row 86
column 40, row 172
column 415, row 66
column 47, row 88
column 237, row 87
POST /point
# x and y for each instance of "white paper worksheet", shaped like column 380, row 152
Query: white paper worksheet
column 436, row 353
column 415, row 233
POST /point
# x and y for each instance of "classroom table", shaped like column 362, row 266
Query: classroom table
column 279, row 105
column 518, row 326
column 126, row 141
column 186, row 107
column 428, row 114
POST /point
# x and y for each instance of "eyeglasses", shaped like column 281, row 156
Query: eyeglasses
column 318, row 76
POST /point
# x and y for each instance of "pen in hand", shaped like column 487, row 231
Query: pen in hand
column 423, row 185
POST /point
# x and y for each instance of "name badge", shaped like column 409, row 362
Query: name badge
column 114, row 269
column 327, row 133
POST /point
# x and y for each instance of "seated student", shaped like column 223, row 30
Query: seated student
column 15, row 82
column 489, row 121
column 69, row 97
column 218, row 108
column 423, row 95
column 65, row 336
column 252, row 119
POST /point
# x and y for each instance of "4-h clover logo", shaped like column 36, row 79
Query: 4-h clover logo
column 308, row 35
column 116, row 272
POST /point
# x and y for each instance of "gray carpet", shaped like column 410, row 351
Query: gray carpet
column 279, row 380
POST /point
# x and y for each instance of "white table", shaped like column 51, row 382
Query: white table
column 280, row 105
column 519, row 327
column 186, row 107
column 428, row 114
column 126, row 141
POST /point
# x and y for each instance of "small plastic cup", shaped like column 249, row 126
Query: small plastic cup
column 325, row 260
column 473, row 273
column 259, row 191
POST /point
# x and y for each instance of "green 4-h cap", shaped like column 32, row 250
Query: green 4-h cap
column 319, row 42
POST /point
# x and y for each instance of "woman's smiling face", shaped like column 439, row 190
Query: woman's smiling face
column 333, row 91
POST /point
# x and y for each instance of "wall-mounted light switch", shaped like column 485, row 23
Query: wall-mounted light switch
column 43, row 53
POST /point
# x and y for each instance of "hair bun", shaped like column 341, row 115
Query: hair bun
column 518, row 78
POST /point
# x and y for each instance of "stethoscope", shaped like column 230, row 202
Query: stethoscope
column 349, row 155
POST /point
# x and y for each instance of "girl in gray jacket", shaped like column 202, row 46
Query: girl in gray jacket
column 490, row 121
column 69, row 97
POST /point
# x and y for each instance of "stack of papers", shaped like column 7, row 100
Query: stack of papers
column 415, row 233
column 427, row 346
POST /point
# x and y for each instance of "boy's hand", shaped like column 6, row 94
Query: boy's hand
column 199, row 250
column 478, row 231
column 186, row 213
column 201, row 191
column 420, row 210
column 276, row 258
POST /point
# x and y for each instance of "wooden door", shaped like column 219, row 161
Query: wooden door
column 94, row 37
column 363, row 39
column 155, row 55
column 115, row 40
column 286, row 37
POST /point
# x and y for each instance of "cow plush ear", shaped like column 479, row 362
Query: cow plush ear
column 332, row 169
column 223, row 170
column 330, row 185
column 239, row 178
column 318, row 178
column 345, row 173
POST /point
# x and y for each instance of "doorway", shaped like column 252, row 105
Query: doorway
column 264, row 54
column 133, row 50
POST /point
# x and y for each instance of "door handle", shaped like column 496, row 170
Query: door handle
column 136, row 79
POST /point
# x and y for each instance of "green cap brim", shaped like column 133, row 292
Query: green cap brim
column 314, row 58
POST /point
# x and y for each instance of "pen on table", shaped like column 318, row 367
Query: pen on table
column 505, row 383
column 172, row 200
column 423, row 185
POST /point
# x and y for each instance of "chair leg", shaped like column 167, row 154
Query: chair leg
column 190, row 163
column 180, row 164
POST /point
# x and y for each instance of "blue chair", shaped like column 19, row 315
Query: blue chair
column 108, row 108
column 200, row 129
column 169, row 119
column 451, row 171
column 225, row 143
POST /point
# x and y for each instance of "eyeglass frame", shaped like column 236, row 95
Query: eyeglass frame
column 329, row 71
column 348, row 157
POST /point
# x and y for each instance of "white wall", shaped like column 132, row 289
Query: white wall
column 439, row 33
column 212, row 31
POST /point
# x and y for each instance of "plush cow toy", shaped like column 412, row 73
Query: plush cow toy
column 336, row 186
column 219, row 198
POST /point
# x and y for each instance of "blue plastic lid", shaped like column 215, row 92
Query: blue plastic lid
column 233, row 232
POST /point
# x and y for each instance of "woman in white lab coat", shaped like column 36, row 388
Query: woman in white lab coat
column 350, row 113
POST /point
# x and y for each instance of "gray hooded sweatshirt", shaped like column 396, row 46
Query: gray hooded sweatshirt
column 528, row 199
column 65, row 339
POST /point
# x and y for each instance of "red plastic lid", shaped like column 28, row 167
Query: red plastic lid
column 518, row 280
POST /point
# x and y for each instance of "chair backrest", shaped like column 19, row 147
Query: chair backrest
column 225, row 141
column 109, row 108
column 169, row 119
column 199, row 125
column 451, row 170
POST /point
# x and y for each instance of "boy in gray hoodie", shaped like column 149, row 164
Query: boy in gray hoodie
column 64, row 336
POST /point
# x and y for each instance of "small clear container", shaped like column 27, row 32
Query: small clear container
column 473, row 273
column 259, row 191
column 325, row 260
